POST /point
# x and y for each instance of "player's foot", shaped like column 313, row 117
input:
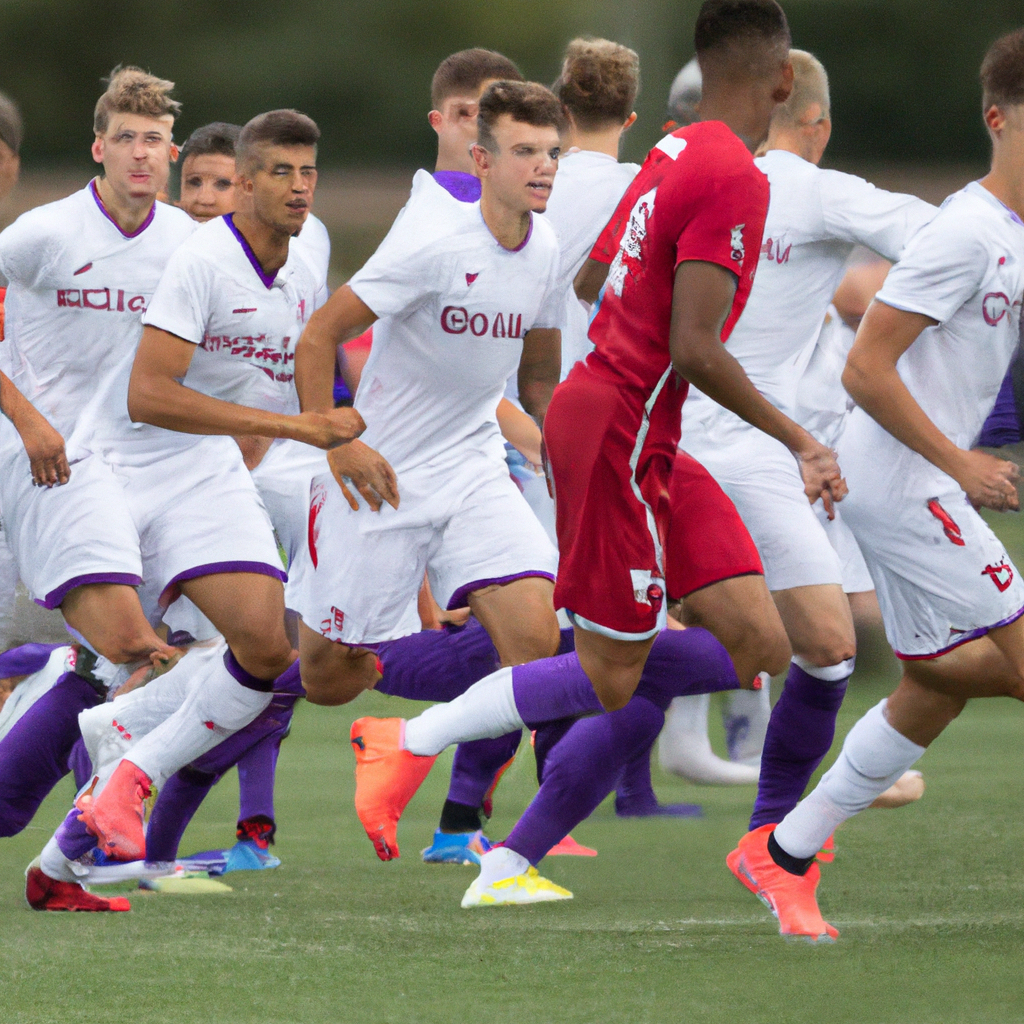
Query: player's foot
column 116, row 816
column 568, row 847
column 791, row 898
column 488, row 801
column 905, row 790
column 387, row 776
column 648, row 807
column 456, row 848
column 252, row 851
column 506, row 878
column 45, row 893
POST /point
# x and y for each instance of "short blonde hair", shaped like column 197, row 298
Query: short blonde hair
column 810, row 88
column 131, row 90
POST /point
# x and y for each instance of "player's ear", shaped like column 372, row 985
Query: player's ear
column 97, row 150
column 436, row 119
column 630, row 121
column 175, row 153
column 481, row 158
column 995, row 120
column 784, row 85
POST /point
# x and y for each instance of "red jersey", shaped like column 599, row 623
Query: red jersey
column 698, row 196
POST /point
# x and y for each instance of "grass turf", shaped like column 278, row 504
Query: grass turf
column 928, row 898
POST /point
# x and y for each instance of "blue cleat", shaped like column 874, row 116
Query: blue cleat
column 457, row 848
column 247, row 855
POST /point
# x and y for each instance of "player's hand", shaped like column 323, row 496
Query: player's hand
column 45, row 449
column 330, row 429
column 989, row 482
column 368, row 471
column 821, row 475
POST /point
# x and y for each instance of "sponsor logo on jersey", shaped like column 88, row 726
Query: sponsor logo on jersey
column 110, row 300
column 949, row 526
column 1001, row 575
column 317, row 498
column 629, row 256
column 736, row 243
column 647, row 588
column 470, row 278
column 772, row 250
column 459, row 320
column 995, row 306
column 334, row 624
column 276, row 363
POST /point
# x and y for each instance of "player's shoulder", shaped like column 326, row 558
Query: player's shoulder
column 543, row 234
column 784, row 168
column 173, row 221
column 970, row 217
column 58, row 217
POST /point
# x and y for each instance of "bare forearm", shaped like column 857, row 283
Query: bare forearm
column 315, row 358
column 13, row 404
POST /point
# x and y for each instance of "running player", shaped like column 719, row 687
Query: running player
column 924, row 371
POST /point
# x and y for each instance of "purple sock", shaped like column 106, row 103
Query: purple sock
column 178, row 801
column 73, row 838
column 800, row 732
column 256, row 769
column 80, row 763
column 580, row 770
column 34, row 754
column 475, row 765
column 681, row 662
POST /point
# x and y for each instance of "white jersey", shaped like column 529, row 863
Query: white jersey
column 314, row 240
column 77, row 287
column 815, row 218
column 587, row 188
column 244, row 323
column 822, row 403
column 454, row 308
column 966, row 271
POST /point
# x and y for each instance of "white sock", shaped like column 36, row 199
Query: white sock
column 874, row 756
column 826, row 673
column 486, row 710
column 215, row 709
column 745, row 716
column 54, row 864
column 684, row 748
column 500, row 863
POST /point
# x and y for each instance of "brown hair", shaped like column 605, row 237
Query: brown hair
column 131, row 90
column 599, row 82
column 218, row 137
column 527, row 102
column 464, row 72
column 275, row 128
column 1002, row 72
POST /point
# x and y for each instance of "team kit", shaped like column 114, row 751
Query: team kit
column 582, row 443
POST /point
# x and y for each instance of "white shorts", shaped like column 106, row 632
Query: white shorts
column 941, row 575
column 856, row 578
column 760, row 476
column 467, row 528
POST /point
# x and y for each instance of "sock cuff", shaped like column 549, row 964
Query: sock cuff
column 250, row 682
column 828, row 673
column 909, row 747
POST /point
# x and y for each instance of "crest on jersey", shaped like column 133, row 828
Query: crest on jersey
column 628, row 258
column 736, row 242
column 1001, row 575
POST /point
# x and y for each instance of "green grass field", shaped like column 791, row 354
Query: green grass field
column 929, row 899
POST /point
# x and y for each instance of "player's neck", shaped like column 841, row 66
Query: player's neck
column 508, row 225
column 268, row 244
column 1006, row 183
column 127, row 212
column 605, row 140
column 453, row 161
column 737, row 110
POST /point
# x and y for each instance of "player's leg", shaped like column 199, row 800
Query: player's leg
column 111, row 619
column 519, row 617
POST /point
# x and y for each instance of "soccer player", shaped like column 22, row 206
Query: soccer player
column 924, row 370
column 208, row 171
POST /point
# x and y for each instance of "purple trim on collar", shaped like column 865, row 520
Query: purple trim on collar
column 967, row 637
column 54, row 597
column 529, row 231
column 267, row 279
column 1014, row 216
column 26, row 659
column 459, row 184
column 460, row 598
column 134, row 234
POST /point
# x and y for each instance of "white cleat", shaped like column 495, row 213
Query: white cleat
column 507, row 879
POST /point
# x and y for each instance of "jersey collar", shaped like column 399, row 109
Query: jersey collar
column 521, row 245
column 125, row 234
column 267, row 279
column 976, row 188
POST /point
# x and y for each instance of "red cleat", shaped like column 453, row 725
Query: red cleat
column 387, row 776
column 568, row 847
column 116, row 816
column 791, row 898
column 45, row 893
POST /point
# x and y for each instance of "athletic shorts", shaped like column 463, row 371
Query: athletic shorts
column 468, row 527
column 856, row 578
column 761, row 477
column 707, row 541
column 611, row 457
column 941, row 575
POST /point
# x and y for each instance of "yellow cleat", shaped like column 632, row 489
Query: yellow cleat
column 530, row 887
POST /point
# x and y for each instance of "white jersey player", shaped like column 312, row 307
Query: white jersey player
column 458, row 301
column 925, row 369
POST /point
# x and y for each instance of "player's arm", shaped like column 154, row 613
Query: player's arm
column 342, row 317
column 539, row 369
column 521, row 431
column 156, row 395
column 590, row 280
column 43, row 445
column 701, row 300
column 874, row 384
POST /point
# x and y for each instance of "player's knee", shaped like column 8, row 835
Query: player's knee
column 335, row 683
column 829, row 647
column 776, row 650
column 124, row 643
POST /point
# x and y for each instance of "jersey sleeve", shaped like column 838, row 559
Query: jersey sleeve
column 27, row 252
column 855, row 211
column 401, row 274
column 181, row 302
column 942, row 267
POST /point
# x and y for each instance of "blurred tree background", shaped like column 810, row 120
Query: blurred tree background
column 904, row 72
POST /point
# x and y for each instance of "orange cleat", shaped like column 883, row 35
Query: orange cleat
column 387, row 776
column 827, row 853
column 45, row 893
column 568, row 847
column 116, row 816
column 791, row 898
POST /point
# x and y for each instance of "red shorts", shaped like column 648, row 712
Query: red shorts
column 612, row 465
column 707, row 541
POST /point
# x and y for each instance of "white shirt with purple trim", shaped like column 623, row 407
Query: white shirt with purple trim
column 454, row 307
column 77, row 287
column 244, row 323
